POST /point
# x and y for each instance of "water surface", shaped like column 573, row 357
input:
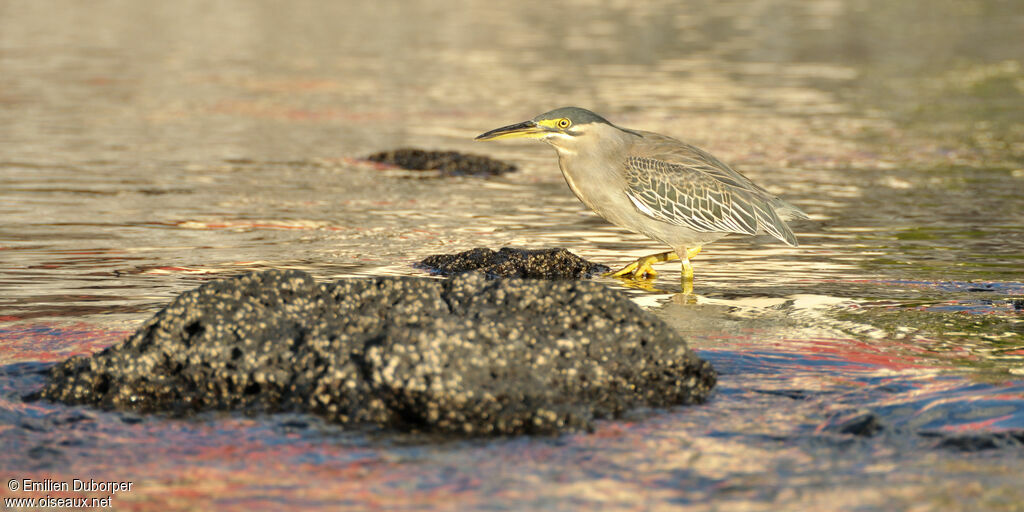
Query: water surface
column 147, row 147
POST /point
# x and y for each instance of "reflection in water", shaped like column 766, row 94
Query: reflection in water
column 150, row 147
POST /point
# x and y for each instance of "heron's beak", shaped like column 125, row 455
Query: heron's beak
column 524, row 130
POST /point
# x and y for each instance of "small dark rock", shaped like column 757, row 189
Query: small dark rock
column 509, row 262
column 294, row 424
column 36, row 425
column 466, row 356
column 45, row 453
column 979, row 441
column 795, row 394
column 447, row 163
column 131, row 419
column 865, row 424
column 51, row 422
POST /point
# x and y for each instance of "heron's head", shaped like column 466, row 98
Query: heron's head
column 563, row 128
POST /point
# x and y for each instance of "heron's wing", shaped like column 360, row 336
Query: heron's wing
column 667, row 149
column 674, row 151
column 679, row 184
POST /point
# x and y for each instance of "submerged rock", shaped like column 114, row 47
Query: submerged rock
column 862, row 424
column 447, row 163
column 979, row 441
column 466, row 356
column 509, row 262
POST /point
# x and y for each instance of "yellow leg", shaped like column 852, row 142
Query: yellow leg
column 687, row 278
column 642, row 267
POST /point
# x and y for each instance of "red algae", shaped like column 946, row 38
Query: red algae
column 38, row 342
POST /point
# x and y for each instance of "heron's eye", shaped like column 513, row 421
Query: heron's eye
column 564, row 123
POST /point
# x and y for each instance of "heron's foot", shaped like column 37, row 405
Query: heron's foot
column 643, row 267
column 638, row 269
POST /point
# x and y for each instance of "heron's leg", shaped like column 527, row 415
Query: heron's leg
column 688, row 268
column 642, row 267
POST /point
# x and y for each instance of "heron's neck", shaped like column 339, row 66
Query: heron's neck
column 563, row 151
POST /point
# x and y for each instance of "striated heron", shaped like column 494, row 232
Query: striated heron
column 655, row 185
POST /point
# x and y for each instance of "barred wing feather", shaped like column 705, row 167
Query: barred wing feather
column 700, row 195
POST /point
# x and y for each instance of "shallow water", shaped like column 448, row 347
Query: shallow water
column 147, row 147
